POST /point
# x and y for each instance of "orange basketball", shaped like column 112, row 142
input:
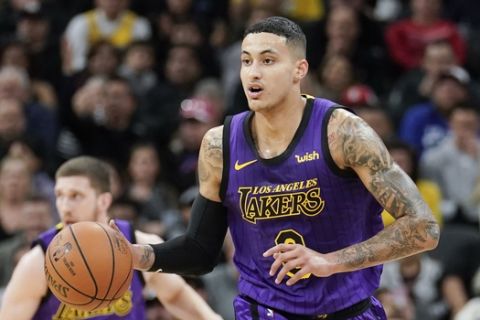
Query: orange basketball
column 88, row 265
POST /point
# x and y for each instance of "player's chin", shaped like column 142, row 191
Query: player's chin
column 257, row 105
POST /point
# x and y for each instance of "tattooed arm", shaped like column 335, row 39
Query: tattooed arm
column 210, row 164
column 196, row 251
column 353, row 144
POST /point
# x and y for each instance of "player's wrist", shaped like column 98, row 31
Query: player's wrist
column 143, row 257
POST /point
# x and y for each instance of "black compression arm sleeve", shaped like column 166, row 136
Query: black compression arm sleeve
column 197, row 251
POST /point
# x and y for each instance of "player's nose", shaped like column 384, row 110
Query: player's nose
column 254, row 71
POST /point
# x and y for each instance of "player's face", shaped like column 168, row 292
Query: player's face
column 269, row 70
column 77, row 200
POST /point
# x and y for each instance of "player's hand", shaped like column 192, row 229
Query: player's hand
column 295, row 256
column 142, row 254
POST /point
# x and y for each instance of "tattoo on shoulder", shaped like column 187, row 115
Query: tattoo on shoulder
column 357, row 143
column 211, row 156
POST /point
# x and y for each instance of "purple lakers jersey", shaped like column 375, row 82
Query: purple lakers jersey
column 300, row 196
column 130, row 306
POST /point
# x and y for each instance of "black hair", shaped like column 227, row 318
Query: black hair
column 282, row 27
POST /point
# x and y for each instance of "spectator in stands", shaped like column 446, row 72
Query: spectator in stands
column 160, row 111
column 12, row 123
column 365, row 103
column 15, row 187
column 461, row 268
column 413, row 282
column 40, row 121
column 415, row 86
column 110, row 20
column 138, row 68
column 15, row 55
column 146, row 185
column 336, row 74
column 349, row 33
column 407, row 39
column 33, row 29
column 36, row 217
column 454, row 164
column 105, row 123
column 425, row 125
column 29, row 149
column 198, row 115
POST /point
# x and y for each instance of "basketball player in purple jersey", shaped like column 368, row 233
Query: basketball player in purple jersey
column 82, row 189
column 300, row 182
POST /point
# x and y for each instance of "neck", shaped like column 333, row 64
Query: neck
column 111, row 16
column 273, row 129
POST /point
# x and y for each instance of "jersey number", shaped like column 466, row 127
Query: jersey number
column 291, row 236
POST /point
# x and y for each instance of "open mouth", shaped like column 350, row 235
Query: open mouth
column 254, row 91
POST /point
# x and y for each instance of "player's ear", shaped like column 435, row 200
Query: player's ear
column 105, row 200
column 301, row 69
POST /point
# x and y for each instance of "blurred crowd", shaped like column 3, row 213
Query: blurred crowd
column 138, row 83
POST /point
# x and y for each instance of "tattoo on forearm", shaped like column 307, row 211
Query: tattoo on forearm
column 146, row 260
column 360, row 147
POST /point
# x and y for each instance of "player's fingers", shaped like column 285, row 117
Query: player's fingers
column 278, row 248
column 292, row 264
column 298, row 275
column 280, row 258
column 113, row 225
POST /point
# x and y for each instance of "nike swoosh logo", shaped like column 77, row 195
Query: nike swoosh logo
column 240, row 166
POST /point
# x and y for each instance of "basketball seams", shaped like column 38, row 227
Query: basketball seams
column 84, row 260
column 70, row 286
column 113, row 267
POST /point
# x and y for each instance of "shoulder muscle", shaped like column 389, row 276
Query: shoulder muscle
column 210, row 164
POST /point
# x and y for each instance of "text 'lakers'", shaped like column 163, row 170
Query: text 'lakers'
column 282, row 200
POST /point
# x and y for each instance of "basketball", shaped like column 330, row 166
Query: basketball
column 88, row 265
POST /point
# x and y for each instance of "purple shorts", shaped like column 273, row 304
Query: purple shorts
column 247, row 310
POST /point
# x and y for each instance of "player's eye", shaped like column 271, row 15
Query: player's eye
column 268, row 61
column 246, row 61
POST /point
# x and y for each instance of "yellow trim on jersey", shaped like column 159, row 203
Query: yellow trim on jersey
column 121, row 37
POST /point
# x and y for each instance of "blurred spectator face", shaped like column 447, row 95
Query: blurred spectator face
column 20, row 150
column 32, row 29
column 112, row 8
column 25, row 4
column 15, row 180
column 103, row 60
column 447, row 93
column 337, row 73
column 14, row 84
column 426, row 9
column 12, row 119
column 198, row 116
column 342, row 23
column 144, row 164
column 123, row 211
column 182, row 66
column 38, row 217
column 186, row 33
column 378, row 120
column 438, row 58
column 15, row 55
column 179, row 7
column 403, row 158
column 464, row 124
column 119, row 104
column 140, row 58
